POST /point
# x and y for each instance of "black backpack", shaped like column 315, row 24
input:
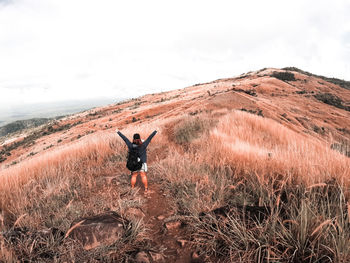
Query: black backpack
column 134, row 163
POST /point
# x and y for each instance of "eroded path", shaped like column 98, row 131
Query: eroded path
column 167, row 232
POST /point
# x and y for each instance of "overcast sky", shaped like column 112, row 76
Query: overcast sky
column 82, row 49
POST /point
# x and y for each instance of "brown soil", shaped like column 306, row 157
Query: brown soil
column 158, row 204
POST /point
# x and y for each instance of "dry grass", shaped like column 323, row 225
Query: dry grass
column 48, row 192
column 250, row 161
column 252, row 144
column 242, row 160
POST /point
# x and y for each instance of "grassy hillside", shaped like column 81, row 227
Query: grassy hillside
column 247, row 188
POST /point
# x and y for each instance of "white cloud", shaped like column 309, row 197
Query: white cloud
column 86, row 49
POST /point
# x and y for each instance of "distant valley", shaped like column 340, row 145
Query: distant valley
column 48, row 110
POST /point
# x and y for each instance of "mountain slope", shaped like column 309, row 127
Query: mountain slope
column 253, row 167
column 301, row 105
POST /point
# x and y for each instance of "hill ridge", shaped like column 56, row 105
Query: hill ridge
column 255, row 92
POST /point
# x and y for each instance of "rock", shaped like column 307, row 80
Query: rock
column 112, row 180
column 134, row 213
column 94, row 231
column 182, row 242
column 160, row 218
column 147, row 257
column 156, row 257
column 196, row 258
column 173, row 225
column 142, row 257
column 108, row 180
column 195, row 255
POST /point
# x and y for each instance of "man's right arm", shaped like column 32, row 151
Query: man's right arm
column 126, row 140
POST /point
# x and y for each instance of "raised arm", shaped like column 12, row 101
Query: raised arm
column 126, row 140
column 148, row 140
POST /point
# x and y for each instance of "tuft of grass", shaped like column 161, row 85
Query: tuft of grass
column 191, row 128
column 342, row 147
column 306, row 230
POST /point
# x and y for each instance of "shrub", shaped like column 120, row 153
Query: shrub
column 284, row 76
column 342, row 83
column 250, row 92
column 257, row 112
column 332, row 100
column 119, row 110
column 2, row 159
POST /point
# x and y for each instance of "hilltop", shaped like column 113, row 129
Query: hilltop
column 251, row 167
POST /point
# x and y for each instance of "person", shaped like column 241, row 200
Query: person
column 142, row 153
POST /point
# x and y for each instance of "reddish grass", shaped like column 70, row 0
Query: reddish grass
column 252, row 144
column 240, row 153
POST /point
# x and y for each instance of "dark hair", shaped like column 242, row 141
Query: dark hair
column 137, row 139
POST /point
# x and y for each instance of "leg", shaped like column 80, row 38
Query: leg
column 144, row 180
column 133, row 179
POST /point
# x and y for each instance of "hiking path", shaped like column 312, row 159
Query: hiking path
column 167, row 232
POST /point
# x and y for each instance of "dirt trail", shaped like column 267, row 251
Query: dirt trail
column 164, row 238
